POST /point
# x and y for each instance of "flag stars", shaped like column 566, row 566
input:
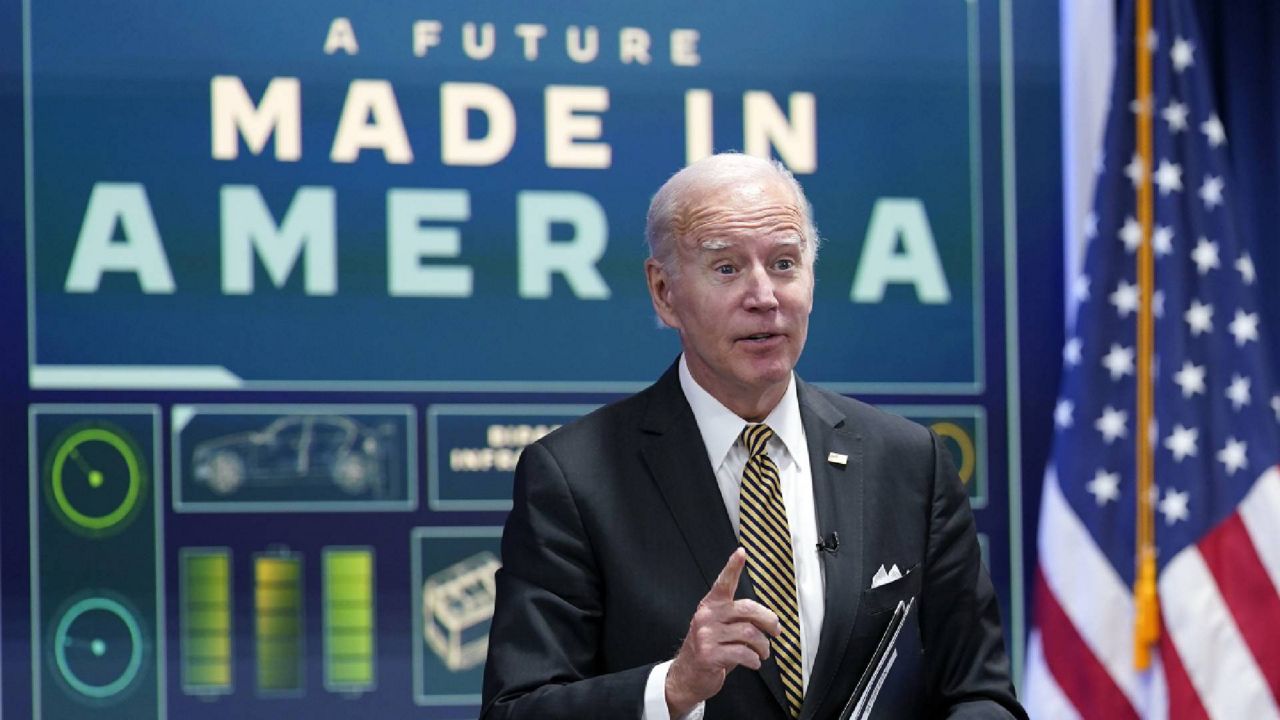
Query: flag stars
column 1234, row 455
column 1071, row 352
column 1211, row 191
column 1182, row 443
column 1205, row 255
column 1175, row 115
column 1275, row 406
column 1168, row 177
column 1162, row 240
column 1174, row 506
column 1090, row 226
column 1157, row 303
column 1062, row 414
column 1131, row 234
column 1183, row 54
column 1104, row 486
column 1244, row 327
column 1125, row 298
column 1213, row 131
column 1244, row 266
column 1190, row 378
column 1199, row 318
column 1112, row 424
column 1136, row 170
column 1080, row 289
column 1238, row 392
column 1119, row 361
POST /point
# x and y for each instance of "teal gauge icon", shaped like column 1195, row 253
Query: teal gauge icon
column 96, row 479
column 98, row 647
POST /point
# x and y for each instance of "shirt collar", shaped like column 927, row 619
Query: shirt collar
column 720, row 426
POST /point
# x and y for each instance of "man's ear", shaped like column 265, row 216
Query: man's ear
column 659, row 282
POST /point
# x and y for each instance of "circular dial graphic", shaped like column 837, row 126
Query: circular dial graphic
column 967, row 453
column 96, row 479
column 98, row 647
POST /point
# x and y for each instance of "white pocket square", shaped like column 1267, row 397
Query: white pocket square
column 884, row 577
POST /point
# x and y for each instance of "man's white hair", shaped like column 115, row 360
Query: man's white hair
column 682, row 191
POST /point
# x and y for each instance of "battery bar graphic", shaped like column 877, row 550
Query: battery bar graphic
column 205, row 587
column 277, row 604
column 348, row 619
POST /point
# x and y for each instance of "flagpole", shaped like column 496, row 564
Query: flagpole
column 1147, row 620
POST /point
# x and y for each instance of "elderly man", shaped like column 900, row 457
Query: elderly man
column 623, row 592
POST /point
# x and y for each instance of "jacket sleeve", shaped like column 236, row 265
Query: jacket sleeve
column 544, row 660
column 966, row 665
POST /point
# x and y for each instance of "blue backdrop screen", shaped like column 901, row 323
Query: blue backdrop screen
column 295, row 283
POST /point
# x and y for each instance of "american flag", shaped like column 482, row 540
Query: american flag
column 1214, row 431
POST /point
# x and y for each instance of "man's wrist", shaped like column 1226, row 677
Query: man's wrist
column 656, row 705
column 679, row 703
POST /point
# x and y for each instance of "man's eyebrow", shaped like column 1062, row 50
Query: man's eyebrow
column 713, row 244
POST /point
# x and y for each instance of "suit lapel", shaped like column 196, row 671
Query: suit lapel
column 837, row 495
column 678, row 462
column 677, row 459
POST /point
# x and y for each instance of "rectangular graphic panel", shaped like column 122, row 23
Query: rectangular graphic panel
column 453, row 593
column 472, row 450
column 294, row 458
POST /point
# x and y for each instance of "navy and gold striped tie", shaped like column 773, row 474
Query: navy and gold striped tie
column 764, row 533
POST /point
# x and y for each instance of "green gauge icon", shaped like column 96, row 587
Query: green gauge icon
column 96, row 479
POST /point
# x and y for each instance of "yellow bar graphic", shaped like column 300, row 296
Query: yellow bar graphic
column 205, row 601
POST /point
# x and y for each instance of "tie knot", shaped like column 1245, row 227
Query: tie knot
column 755, row 437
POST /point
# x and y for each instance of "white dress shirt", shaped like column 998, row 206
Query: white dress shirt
column 720, row 429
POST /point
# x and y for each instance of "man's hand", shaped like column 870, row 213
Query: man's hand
column 723, row 634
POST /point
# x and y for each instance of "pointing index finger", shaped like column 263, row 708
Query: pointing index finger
column 726, row 583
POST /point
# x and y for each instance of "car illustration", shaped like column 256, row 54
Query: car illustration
column 297, row 450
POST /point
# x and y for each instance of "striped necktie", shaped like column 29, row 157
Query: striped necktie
column 764, row 533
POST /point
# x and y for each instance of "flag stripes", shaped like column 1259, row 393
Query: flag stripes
column 1247, row 592
column 1080, row 677
column 1221, row 669
column 1041, row 690
column 1093, row 598
column 1183, row 702
column 1258, row 511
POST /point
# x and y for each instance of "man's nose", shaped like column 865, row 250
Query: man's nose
column 760, row 290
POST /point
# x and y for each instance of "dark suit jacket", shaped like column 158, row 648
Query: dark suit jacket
column 618, row 530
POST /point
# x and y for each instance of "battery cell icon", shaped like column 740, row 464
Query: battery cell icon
column 348, row 619
column 457, row 610
column 205, row 587
column 277, row 606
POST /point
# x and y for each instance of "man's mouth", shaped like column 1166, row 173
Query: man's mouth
column 760, row 337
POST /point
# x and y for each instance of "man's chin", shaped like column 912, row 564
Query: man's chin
column 765, row 376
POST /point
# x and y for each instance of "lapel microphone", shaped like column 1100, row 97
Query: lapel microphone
column 829, row 544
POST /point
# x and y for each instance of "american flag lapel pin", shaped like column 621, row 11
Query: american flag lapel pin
column 836, row 458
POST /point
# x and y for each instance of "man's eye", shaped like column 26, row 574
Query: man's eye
column 724, row 269
column 785, row 264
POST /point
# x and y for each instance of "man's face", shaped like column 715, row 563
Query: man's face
column 741, row 292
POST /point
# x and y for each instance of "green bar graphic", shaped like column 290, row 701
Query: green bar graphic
column 348, row 619
column 277, row 601
column 205, row 585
